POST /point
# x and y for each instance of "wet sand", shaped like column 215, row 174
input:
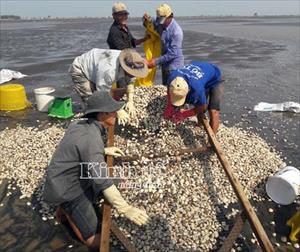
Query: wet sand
column 259, row 59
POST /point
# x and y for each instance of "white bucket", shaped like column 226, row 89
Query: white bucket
column 283, row 187
column 43, row 98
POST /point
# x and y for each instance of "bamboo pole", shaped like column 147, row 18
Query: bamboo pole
column 257, row 228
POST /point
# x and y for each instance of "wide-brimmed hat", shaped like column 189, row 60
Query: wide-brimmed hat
column 179, row 89
column 133, row 63
column 119, row 8
column 101, row 101
column 162, row 13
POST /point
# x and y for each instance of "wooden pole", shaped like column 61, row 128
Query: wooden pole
column 234, row 233
column 106, row 214
column 163, row 154
column 107, row 223
column 257, row 228
column 122, row 238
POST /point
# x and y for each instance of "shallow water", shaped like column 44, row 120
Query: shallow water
column 259, row 59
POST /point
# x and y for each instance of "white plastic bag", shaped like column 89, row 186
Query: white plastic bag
column 285, row 106
column 7, row 75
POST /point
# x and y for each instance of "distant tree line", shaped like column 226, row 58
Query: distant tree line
column 10, row 17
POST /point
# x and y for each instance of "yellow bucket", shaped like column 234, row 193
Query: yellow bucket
column 13, row 97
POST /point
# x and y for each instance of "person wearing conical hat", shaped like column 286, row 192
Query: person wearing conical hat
column 98, row 69
column 77, row 175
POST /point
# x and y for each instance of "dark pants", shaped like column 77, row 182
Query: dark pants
column 215, row 97
column 82, row 85
column 165, row 75
column 85, row 213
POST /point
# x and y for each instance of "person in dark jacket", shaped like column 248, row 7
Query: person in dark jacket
column 119, row 36
column 77, row 173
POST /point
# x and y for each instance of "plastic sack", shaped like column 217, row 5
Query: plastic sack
column 152, row 49
column 7, row 75
column 285, row 106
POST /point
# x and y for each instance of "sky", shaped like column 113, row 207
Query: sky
column 98, row 8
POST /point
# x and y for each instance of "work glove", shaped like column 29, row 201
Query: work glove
column 170, row 109
column 114, row 197
column 177, row 116
column 113, row 151
column 136, row 215
column 129, row 106
column 180, row 116
column 122, row 117
column 169, row 112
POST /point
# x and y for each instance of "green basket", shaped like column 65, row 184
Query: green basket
column 61, row 108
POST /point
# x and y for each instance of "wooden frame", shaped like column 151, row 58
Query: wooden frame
column 248, row 211
column 256, row 226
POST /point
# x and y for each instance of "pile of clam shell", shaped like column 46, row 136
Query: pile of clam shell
column 189, row 199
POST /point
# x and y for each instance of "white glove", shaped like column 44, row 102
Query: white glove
column 122, row 116
column 113, row 151
column 114, row 197
column 129, row 106
column 136, row 215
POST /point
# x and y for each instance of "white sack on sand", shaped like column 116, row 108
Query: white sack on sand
column 285, row 106
column 7, row 75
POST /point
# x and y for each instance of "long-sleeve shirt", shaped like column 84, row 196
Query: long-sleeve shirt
column 201, row 78
column 82, row 143
column 100, row 66
column 120, row 38
column 171, row 40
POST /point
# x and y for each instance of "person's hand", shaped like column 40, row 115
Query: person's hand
column 136, row 215
column 146, row 17
column 177, row 117
column 122, row 117
column 150, row 63
column 147, row 36
column 169, row 111
column 113, row 151
column 201, row 109
column 130, row 108
column 60, row 216
column 114, row 197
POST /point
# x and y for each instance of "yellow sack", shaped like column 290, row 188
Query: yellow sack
column 152, row 49
column 294, row 223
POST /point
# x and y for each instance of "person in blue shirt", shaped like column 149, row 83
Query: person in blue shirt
column 198, row 84
column 171, row 36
